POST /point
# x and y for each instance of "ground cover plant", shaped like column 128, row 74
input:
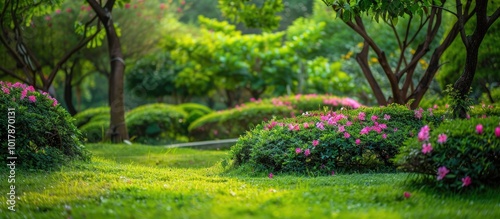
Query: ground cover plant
column 124, row 181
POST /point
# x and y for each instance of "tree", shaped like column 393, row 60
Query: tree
column 402, row 74
column 117, row 128
column 22, row 62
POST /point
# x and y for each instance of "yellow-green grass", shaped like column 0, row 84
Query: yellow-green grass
column 150, row 182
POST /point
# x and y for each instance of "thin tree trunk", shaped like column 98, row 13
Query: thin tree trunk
column 68, row 94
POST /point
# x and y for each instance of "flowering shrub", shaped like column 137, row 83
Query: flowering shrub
column 457, row 154
column 234, row 122
column 230, row 124
column 348, row 140
column 156, row 124
column 45, row 136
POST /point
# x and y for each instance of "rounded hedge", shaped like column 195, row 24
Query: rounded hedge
column 457, row 154
column 234, row 122
column 95, row 130
column 312, row 102
column 321, row 142
column 43, row 131
column 92, row 114
column 156, row 124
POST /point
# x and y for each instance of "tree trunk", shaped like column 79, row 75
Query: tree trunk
column 463, row 84
column 117, row 128
column 68, row 94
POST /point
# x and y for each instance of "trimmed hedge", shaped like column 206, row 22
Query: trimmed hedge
column 346, row 141
column 234, row 122
column 156, row 124
column 93, row 114
column 40, row 132
column 313, row 102
column 456, row 151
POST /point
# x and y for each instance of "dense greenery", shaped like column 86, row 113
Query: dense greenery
column 321, row 142
column 460, row 153
column 36, row 129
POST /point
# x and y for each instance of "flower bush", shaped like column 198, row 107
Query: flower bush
column 321, row 142
column 463, row 153
column 156, row 124
column 45, row 136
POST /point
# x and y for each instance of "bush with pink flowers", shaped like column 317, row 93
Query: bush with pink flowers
column 324, row 141
column 457, row 154
column 36, row 129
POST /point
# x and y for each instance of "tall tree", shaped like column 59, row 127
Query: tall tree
column 117, row 128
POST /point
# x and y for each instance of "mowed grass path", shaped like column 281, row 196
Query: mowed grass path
column 150, row 182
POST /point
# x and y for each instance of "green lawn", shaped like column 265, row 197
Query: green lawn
column 151, row 182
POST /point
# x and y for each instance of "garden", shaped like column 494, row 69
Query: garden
column 332, row 109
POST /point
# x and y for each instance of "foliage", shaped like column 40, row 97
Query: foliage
column 95, row 130
column 234, row 122
column 156, row 123
column 310, row 102
column 322, row 142
column 92, row 114
column 42, row 132
column 457, row 101
column 464, row 149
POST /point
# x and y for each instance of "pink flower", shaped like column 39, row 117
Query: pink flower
column 347, row 135
column 467, row 116
column 320, row 126
column 358, row 141
column 418, row 113
column 348, row 123
column 298, row 150
column 306, row 125
column 466, row 181
column 442, row 138
column 384, row 136
column 271, row 175
column 6, row 90
column 423, row 135
column 293, row 127
column 361, row 116
column 54, row 103
column 58, row 11
column 315, row 143
column 307, row 152
column 435, row 106
column 497, row 132
column 407, row 195
column 374, row 118
column 479, row 129
column 341, row 128
column 23, row 94
column 426, row 148
column 364, row 130
column 32, row 98
column 442, row 171
column 333, row 173
column 387, row 117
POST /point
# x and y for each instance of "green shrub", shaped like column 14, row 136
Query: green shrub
column 93, row 114
column 190, row 107
column 95, row 131
column 457, row 147
column 43, row 132
column 156, row 124
column 346, row 141
column 234, row 122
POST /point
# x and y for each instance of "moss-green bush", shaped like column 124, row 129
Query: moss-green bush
column 347, row 140
column 41, row 131
column 234, row 122
column 310, row 102
column 456, row 146
column 156, row 124
column 92, row 114
column 95, row 131
column 190, row 107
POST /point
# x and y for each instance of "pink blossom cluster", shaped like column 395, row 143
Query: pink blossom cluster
column 27, row 92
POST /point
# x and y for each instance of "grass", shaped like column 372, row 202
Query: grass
column 151, row 182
